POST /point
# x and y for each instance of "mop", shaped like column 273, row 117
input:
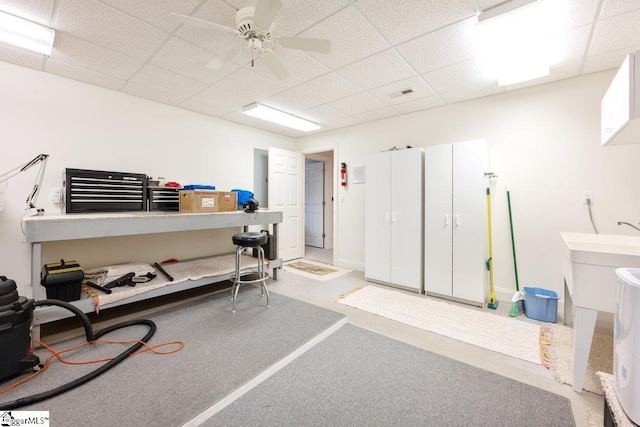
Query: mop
column 492, row 302
column 517, row 302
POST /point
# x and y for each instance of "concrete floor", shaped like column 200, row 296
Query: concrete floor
column 325, row 294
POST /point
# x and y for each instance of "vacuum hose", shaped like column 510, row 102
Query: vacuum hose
column 91, row 336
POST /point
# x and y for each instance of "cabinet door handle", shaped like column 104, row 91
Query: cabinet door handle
column 457, row 222
column 386, row 216
column 393, row 217
column 446, row 220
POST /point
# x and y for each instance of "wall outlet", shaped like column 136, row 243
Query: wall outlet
column 56, row 195
column 587, row 196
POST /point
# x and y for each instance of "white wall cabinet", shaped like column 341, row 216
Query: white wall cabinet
column 455, row 220
column 620, row 106
column 394, row 218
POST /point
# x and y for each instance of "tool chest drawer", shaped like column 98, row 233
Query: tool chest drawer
column 163, row 199
column 104, row 191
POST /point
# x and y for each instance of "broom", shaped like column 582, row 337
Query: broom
column 492, row 302
column 518, row 297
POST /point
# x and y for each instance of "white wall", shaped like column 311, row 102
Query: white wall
column 544, row 144
column 87, row 127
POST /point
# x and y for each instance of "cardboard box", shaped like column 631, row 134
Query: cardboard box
column 206, row 201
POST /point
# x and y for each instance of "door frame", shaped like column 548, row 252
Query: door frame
column 334, row 194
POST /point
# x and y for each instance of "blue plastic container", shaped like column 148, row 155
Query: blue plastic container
column 541, row 304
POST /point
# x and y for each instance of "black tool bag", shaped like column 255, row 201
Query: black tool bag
column 270, row 248
column 63, row 280
column 16, row 318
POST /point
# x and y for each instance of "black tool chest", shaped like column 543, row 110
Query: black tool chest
column 103, row 191
column 164, row 199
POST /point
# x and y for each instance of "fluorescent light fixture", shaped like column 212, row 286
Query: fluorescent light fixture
column 272, row 115
column 515, row 40
column 25, row 34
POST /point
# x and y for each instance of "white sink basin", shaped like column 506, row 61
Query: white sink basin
column 602, row 249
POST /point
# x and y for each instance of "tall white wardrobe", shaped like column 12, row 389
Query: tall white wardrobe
column 394, row 218
column 455, row 221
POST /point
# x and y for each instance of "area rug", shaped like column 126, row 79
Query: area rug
column 619, row 416
column 356, row 377
column 561, row 357
column 506, row 335
column 314, row 270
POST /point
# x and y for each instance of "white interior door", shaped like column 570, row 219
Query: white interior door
column 469, row 204
column 378, row 217
column 314, row 204
column 439, row 221
column 286, row 176
column 406, row 218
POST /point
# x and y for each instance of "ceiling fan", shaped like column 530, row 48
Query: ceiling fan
column 253, row 24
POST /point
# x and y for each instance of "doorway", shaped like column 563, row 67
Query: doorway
column 319, row 206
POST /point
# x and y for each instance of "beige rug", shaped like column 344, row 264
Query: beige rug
column 619, row 417
column 561, row 357
column 503, row 334
column 314, row 270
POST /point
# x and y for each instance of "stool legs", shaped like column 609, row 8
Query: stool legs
column 237, row 281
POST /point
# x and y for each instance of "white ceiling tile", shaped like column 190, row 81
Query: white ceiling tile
column 352, row 38
column 377, row 70
column 213, row 41
column 322, row 114
column 155, row 12
column 221, row 99
column 472, row 92
column 197, row 107
column 84, row 75
column 356, row 104
column 416, row 84
column 570, row 44
column 565, row 70
column 380, row 114
column 488, row 4
column 447, row 46
column 328, row 88
column 83, row 54
column 464, row 74
column 21, row 57
column 616, row 33
column 298, row 15
column 400, row 22
column 301, row 66
column 567, row 14
column 189, row 60
column 250, row 85
column 105, row 26
column 39, row 11
column 617, row 7
column 419, row 104
column 161, row 80
column 341, row 123
column 291, row 101
column 608, row 60
column 151, row 94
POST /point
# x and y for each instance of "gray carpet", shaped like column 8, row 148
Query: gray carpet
column 222, row 352
column 359, row 378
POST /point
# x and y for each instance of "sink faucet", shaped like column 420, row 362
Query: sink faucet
column 630, row 225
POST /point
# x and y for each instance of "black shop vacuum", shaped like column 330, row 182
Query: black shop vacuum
column 16, row 318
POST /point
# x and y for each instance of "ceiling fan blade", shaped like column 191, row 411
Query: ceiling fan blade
column 189, row 20
column 219, row 60
column 302, row 43
column 266, row 11
column 274, row 64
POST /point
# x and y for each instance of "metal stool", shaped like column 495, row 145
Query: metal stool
column 250, row 239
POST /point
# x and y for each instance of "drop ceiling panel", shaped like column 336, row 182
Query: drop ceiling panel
column 105, row 26
column 416, row 84
column 39, row 11
column 472, row 92
column 448, row 46
column 298, row 15
column 377, row 70
column 83, row 54
column 152, row 94
column 607, row 60
column 570, row 44
column 341, row 123
column 222, row 99
column 322, row 114
column 189, row 60
column 419, row 104
column 291, row 101
column 352, row 38
column 84, row 75
column 464, row 74
column 155, row 12
column 301, row 66
column 380, row 114
column 161, row 80
column 567, row 14
column 613, row 8
column 209, row 110
column 214, row 41
column 413, row 18
column 557, row 72
column 328, row 87
column 21, row 57
column 616, row 33
column 356, row 104
column 249, row 84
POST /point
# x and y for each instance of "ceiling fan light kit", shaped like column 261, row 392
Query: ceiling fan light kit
column 272, row 115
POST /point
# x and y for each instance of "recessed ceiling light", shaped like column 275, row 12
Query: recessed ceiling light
column 26, row 34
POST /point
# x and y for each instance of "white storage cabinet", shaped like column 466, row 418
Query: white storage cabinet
column 394, row 218
column 455, row 221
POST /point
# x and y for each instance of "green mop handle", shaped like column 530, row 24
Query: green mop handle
column 513, row 243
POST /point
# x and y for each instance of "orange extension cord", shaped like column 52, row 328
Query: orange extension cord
column 57, row 354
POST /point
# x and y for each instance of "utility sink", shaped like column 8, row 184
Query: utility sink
column 602, row 249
